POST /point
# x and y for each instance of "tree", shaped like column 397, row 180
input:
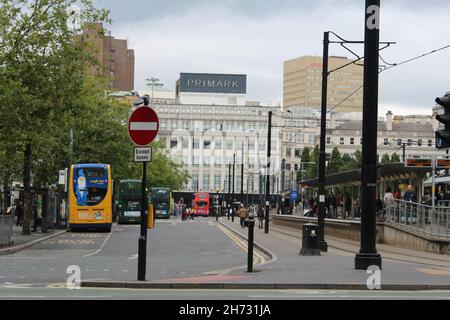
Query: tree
column 335, row 161
column 313, row 169
column 306, row 157
column 395, row 158
column 385, row 159
column 45, row 66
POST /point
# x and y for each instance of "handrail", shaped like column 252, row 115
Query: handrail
column 422, row 218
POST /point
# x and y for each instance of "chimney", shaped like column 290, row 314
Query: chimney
column 389, row 116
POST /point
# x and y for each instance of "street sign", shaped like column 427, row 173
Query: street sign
column 143, row 126
column 294, row 195
column 418, row 163
column 143, row 154
column 443, row 163
column 62, row 177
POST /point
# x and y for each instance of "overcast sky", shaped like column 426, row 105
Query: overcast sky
column 255, row 37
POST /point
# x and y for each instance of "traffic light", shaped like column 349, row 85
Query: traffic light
column 443, row 136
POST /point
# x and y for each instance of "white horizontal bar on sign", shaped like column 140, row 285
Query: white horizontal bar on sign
column 143, row 126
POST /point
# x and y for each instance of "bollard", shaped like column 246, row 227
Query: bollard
column 250, row 224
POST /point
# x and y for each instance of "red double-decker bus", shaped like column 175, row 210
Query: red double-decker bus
column 201, row 204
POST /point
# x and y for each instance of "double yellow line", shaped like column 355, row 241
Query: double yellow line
column 257, row 257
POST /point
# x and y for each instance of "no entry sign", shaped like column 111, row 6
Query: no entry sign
column 143, row 126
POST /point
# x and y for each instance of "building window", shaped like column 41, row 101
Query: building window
column 218, row 143
column 195, row 182
column 217, row 181
column 185, row 142
column 409, row 142
column 342, row 141
column 206, row 185
column 430, row 143
column 386, row 142
column 196, row 143
column 328, row 140
column 298, row 153
column 352, row 141
column 251, row 145
column 173, row 143
column 288, row 166
column 419, row 142
column 206, row 144
column 195, row 161
column 229, row 144
column 288, row 153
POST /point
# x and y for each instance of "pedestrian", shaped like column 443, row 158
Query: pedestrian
column 35, row 218
column 410, row 195
column 388, row 200
column 19, row 213
column 242, row 213
column 260, row 218
column 338, row 204
column 347, row 205
column 379, row 205
column 398, row 194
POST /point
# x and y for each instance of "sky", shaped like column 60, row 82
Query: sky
column 255, row 37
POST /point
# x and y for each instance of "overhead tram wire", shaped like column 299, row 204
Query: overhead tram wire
column 391, row 65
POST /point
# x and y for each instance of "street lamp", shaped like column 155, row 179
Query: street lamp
column 153, row 82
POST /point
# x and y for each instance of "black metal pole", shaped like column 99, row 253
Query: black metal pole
column 404, row 152
column 368, row 255
column 229, row 191
column 269, row 155
column 142, row 247
column 323, row 246
column 251, row 227
column 233, row 195
column 242, row 180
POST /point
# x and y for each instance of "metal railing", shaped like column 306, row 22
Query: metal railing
column 6, row 229
column 420, row 217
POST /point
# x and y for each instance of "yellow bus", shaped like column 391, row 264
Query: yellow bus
column 90, row 200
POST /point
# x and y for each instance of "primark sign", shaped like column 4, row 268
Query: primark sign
column 213, row 83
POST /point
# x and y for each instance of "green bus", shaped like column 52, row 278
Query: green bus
column 162, row 201
column 128, row 205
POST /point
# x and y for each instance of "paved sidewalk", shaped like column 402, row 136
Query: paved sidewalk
column 337, row 265
column 21, row 241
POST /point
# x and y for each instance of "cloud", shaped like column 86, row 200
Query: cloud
column 228, row 38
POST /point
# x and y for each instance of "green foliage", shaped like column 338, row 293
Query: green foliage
column 385, row 159
column 335, row 162
column 395, row 158
column 313, row 170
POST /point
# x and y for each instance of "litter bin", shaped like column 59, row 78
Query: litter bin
column 310, row 239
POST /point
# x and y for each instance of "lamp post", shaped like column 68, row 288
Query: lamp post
column 368, row 255
column 153, row 82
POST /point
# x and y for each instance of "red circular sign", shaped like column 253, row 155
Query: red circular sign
column 143, row 126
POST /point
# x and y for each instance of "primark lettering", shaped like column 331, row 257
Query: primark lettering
column 212, row 83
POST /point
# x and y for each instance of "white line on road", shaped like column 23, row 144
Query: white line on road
column 134, row 256
column 101, row 247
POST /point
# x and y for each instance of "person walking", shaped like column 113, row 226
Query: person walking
column 260, row 218
column 347, row 205
column 19, row 213
column 242, row 213
column 388, row 200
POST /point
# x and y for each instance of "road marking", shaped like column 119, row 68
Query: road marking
column 435, row 272
column 257, row 258
column 134, row 256
column 101, row 247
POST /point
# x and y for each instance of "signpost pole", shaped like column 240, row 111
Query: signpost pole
column 142, row 251
column 433, row 188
